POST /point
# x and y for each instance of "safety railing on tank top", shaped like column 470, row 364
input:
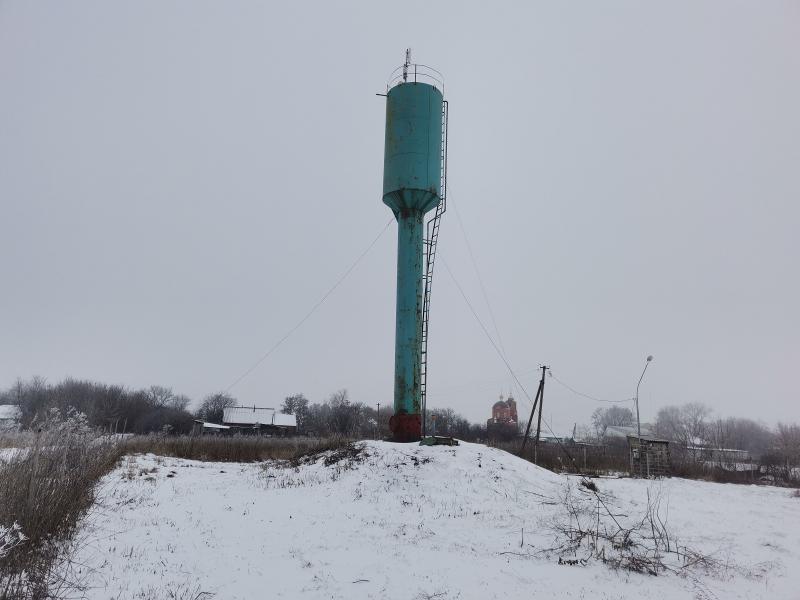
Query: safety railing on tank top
column 416, row 73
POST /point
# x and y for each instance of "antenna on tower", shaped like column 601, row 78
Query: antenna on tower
column 406, row 64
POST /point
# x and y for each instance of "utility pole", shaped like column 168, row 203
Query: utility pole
column 539, row 423
column 533, row 411
column 379, row 421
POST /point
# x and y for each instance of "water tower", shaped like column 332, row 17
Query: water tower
column 414, row 183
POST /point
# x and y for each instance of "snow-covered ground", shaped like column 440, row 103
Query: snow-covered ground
column 8, row 454
column 410, row 522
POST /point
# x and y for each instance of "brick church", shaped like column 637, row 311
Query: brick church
column 504, row 421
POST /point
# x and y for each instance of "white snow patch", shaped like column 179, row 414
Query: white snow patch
column 9, row 454
column 407, row 522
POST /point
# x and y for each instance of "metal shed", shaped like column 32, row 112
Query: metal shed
column 649, row 456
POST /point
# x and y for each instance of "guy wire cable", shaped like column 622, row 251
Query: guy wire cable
column 477, row 272
column 313, row 308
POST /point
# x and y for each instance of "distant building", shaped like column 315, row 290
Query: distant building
column 254, row 419
column 729, row 459
column 504, row 422
column 10, row 415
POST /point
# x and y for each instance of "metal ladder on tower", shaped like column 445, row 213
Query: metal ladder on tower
column 430, row 259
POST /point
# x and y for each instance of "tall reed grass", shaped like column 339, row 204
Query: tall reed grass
column 45, row 488
column 48, row 481
column 232, row 449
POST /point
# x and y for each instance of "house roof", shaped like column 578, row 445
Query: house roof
column 207, row 425
column 283, row 420
column 251, row 415
column 624, row 431
column 648, row 438
column 713, row 449
column 10, row 411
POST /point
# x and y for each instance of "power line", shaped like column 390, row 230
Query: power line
column 574, row 391
column 313, row 308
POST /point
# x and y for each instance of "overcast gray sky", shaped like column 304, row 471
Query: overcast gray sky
column 181, row 181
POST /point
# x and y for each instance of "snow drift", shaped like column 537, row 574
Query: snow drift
column 391, row 521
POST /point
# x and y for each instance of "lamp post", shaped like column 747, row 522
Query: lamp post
column 638, row 422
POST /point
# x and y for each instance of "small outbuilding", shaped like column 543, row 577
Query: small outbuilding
column 649, row 456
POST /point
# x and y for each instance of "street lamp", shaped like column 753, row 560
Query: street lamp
column 638, row 422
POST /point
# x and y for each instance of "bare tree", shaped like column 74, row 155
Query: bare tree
column 214, row 405
column 159, row 395
column 788, row 447
column 612, row 416
column 109, row 407
column 296, row 405
column 445, row 421
column 684, row 424
column 694, row 418
column 342, row 417
column 179, row 402
column 741, row 434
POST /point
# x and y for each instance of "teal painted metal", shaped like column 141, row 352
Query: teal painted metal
column 411, row 187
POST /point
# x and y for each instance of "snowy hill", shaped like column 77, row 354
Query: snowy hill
column 404, row 521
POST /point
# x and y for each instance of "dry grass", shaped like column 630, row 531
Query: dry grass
column 16, row 439
column 572, row 458
column 232, row 449
column 47, row 486
column 592, row 526
column 45, row 489
column 613, row 458
column 338, row 457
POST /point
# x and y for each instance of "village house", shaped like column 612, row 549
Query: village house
column 729, row 459
column 249, row 420
column 260, row 421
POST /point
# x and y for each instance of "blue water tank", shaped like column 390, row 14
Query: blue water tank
column 413, row 149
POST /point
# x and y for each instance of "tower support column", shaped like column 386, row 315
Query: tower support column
column 406, row 423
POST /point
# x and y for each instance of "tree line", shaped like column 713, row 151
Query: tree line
column 338, row 415
column 693, row 426
column 112, row 408
column 117, row 409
